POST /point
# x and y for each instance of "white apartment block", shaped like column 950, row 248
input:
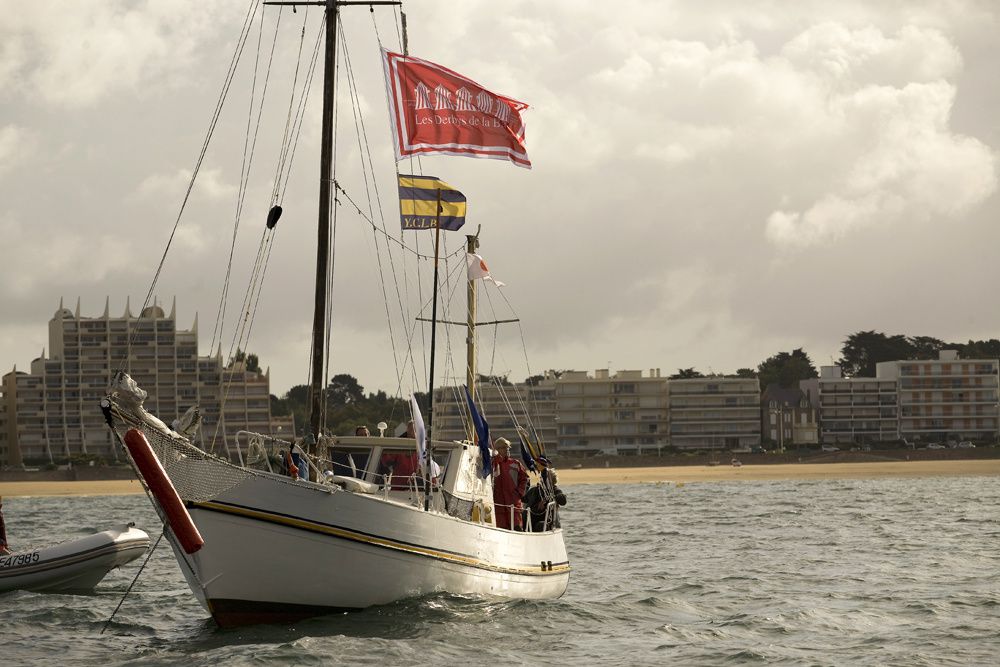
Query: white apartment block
column 714, row 413
column 854, row 410
column 624, row 413
column 531, row 404
column 946, row 398
column 52, row 413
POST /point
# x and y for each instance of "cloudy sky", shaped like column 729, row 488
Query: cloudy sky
column 713, row 182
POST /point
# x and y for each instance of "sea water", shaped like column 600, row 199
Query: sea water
column 825, row 572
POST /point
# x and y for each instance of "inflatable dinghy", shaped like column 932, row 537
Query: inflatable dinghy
column 72, row 566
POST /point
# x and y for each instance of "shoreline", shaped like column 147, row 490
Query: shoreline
column 782, row 471
column 639, row 475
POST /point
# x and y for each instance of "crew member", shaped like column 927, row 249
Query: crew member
column 510, row 481
column 538, row 497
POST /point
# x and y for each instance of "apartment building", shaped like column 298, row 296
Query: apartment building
column 854, row 410
column 52, row 412
column 532, row 404
column 714, row 413
column 624, row 413
column 946, row 398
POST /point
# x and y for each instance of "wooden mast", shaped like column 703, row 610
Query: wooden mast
column 323, row 231
column 316, row 391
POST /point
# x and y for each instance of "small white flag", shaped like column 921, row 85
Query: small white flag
column 478, row 269
column 420, row 435
column 419, row 432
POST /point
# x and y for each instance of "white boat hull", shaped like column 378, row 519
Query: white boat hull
column 72, row 566
column 349, row 551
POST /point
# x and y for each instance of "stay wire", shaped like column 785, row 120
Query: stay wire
column 134, row 579
column 216, row 114
column 365, row 147
column 220, row 316
column 400, row 39
column 365, row 151
column 286, row 136
column 303, row 102
column 241, row 333
column 524, row 350
column 387, row 237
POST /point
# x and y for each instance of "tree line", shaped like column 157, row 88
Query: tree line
column 860, row 353
column 348, row 406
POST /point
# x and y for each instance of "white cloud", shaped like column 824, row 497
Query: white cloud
column 680, row 149
column 74, row 57
column 46, row 260
column 15, row 144
column 912, row 167
column 210, row 184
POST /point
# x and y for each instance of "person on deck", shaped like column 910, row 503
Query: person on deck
column 362, row 431
column 538, row 497
column 3, row 532
column 400, row 466
column 510, row 481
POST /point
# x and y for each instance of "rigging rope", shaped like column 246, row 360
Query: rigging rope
column 365, row 151
column 134, row 579
column 241, row 194
column 241, row 333
column 220, row 103
column 386, row 236
column 289, row 118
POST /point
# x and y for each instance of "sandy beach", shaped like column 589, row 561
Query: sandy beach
column 116, row 487
column 692, row 474
column 568, row 477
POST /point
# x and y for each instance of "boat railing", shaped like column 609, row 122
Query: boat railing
column 551, row 510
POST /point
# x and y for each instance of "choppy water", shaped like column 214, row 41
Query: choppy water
column 859, row 572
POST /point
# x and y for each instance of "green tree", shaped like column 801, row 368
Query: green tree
column 686, row 374
column 493, row 379
column 746, row 373
column 979, row 349
column 864, row 349
column 279, row 406
column 786, row 369
column 252, row 361
column 344, row 389
column 925, row 347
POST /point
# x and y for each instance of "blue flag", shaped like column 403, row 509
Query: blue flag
column 482, row 435
column 526, row 449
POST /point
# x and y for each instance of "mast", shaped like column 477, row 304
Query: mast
column 323, row 232
column 325, row 187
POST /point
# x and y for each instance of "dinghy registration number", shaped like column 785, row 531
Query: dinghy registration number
column 19, row 559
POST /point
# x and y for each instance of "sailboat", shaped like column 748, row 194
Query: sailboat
column 258, row 543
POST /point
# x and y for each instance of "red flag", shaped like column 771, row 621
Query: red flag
column 436, row 111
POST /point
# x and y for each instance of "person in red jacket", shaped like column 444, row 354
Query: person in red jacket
column 510, row 481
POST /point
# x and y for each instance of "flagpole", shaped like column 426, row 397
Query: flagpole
column 470, row 339
column 430, row 392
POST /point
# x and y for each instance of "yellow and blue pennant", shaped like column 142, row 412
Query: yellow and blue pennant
column 418, row 198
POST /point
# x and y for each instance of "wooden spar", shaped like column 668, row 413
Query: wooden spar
column 323, row 231
column 325, row 182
